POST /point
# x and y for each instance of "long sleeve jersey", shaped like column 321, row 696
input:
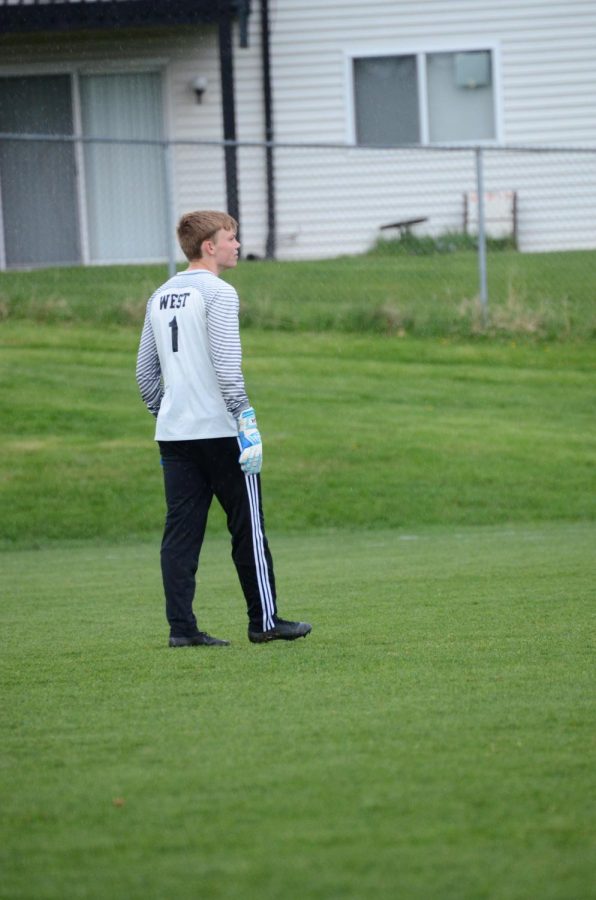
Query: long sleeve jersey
column 189, row 365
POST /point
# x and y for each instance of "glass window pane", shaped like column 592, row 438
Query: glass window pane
column 386, row 100
column 39, row 198
column 460, row 96
column 125, row 182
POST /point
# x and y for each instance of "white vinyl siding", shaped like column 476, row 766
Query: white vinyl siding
column 544, row 55
column 538, row 39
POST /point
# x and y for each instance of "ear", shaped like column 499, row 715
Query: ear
column 207, row 248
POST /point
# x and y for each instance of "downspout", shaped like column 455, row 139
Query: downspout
column 243, row 7
column 226, row 64
column 268, row 110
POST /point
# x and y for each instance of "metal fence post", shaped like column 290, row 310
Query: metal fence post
column 168, row 182
column 481, row 237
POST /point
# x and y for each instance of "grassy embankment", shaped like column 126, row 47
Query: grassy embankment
column 416, row 424
column 388, row 291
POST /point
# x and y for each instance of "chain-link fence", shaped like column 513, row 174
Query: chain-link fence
column 73, row 200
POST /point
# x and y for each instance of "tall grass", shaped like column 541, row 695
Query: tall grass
column 408, row 244
column 537, row 296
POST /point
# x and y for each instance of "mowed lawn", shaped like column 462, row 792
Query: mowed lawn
column 432, row 738
column 430, row 504
column 360, row 431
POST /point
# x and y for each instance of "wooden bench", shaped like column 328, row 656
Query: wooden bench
column 405, row 225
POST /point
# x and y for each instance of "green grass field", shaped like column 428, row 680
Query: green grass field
column 433, row 737
column 430, row 507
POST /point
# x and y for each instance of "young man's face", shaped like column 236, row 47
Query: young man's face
column 225, row 249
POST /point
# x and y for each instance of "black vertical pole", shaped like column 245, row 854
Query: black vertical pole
column 268, row 104
column 226, row 63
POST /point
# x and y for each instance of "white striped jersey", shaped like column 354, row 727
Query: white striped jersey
column 189, row 365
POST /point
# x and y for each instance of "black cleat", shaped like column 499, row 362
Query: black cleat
column 281, row 631
column 201, row 638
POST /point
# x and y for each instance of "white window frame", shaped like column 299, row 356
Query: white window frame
column 74, row 70
column 420, row 52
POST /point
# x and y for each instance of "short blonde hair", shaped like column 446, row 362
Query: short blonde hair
column 196, row 227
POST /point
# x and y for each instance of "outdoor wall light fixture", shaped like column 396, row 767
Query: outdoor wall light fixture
column 199, row 86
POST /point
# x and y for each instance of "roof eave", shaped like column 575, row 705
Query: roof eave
column 111, row 14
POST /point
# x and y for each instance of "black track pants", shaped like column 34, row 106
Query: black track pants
column 195, row 472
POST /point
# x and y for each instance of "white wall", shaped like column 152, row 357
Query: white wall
column 548, row 59
column 329, row 203
column 333, row 201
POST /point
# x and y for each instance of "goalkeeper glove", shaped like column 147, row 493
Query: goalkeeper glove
column 251, row 456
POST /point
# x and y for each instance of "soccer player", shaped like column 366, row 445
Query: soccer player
column 189, row 372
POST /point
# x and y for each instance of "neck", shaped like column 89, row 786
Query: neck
column 207, row 264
